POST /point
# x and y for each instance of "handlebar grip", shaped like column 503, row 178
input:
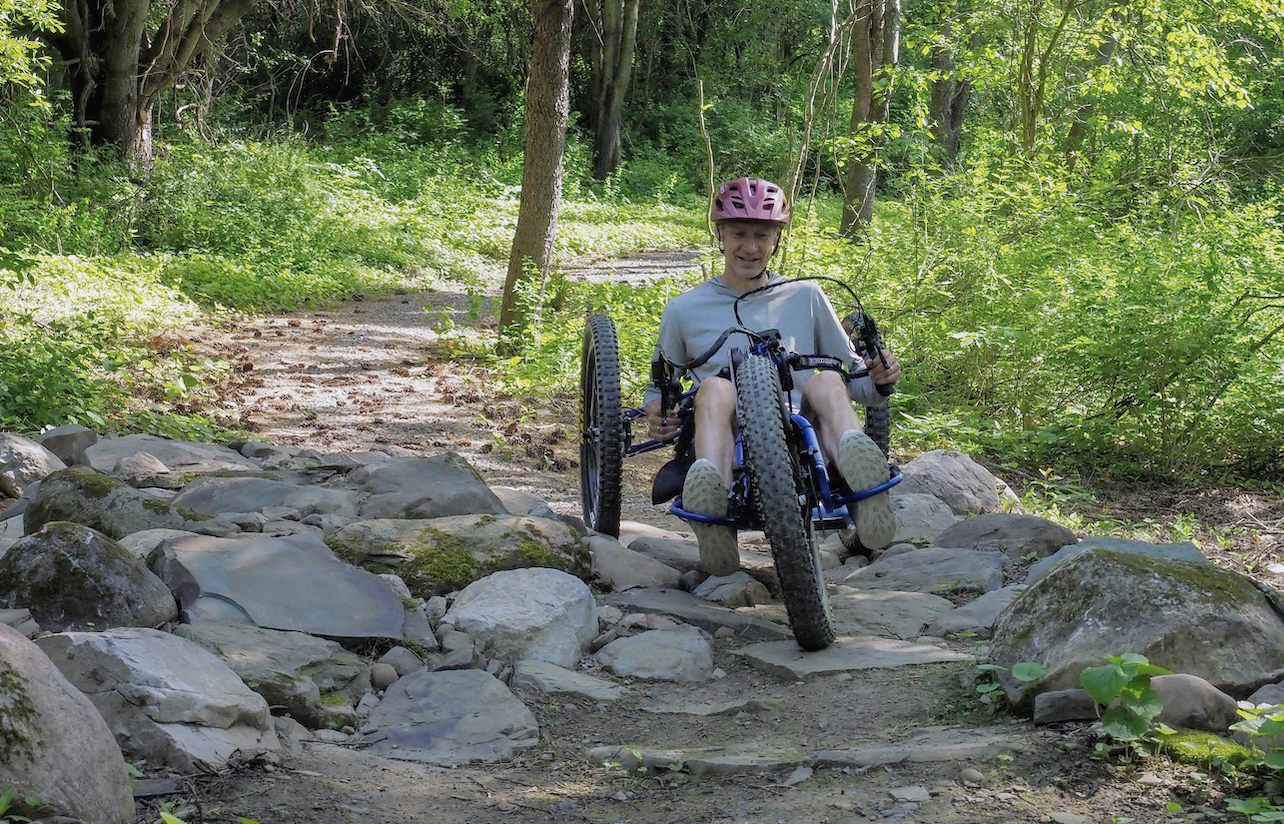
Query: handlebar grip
column 885, row 389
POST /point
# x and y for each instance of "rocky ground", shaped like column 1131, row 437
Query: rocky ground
column 373, row 372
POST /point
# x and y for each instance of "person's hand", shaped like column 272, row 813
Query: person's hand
column 884, row 375
column 664, row 425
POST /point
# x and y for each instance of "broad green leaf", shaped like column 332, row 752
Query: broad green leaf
column 1122, row 725
column 1028, row 671
column 1103, row 683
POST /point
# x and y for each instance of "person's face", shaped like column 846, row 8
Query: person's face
column 747, row 246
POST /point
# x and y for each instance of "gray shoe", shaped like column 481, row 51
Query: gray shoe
column 704, row 494
column 864, row 466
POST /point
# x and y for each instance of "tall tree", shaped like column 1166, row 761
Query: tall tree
column 123, row 54
column 875, row 51
column 950, row 93
column 548, row 109
column 614, row 31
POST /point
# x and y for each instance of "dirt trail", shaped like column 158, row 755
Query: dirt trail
column 373, row 373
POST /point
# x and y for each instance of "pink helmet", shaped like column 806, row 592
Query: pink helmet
column 751, row 198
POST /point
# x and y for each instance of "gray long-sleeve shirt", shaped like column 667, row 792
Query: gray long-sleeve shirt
column 693, row 321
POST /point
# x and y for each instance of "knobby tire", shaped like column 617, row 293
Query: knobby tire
column 774, row 483
column 601, row 426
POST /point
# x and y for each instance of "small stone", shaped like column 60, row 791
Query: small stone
column 1068, row 818
column 844, row 676
column 1150, row 780
column 367, row 703
column 608, row 614
column 914, row 793
column 383, row 675
column 1275, row 569
column 719, row 672
column 347, row 729
column 798, row 776
column 972, row 777
column 331, row 736
column 724, row 632
column 1006, row 796
column 436, row 607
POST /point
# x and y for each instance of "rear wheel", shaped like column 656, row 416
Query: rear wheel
column 601, row 426
column 773, row 479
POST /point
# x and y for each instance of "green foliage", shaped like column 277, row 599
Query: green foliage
column 1126, row 678
column 21, row 59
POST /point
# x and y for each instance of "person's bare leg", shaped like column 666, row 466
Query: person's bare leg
column 859, row 459
column 715, row 425
column 705, row 489
column 825, row 395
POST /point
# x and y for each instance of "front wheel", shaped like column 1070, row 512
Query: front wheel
column 601, row 426
column 774, row 482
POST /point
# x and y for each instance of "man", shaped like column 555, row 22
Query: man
column 749, row 215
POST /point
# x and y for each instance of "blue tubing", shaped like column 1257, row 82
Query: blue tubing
column 873, row 490
column 676, row 509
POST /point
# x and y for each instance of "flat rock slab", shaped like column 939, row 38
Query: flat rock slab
column 784, row 659
column 935, row 570
column 448, row 718
column 541, row 676
column 704, row 761
column 699, row 612
column 214, row 496
column 931, row 744
column 893, row 614
column 278, row 583
column 977, row 617
column 178, row 456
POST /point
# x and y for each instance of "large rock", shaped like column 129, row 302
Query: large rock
column 440, row 555
column 165, row 698
column 919, row 517
column 292, row 583
column 550, row 678
column 1016, row 536
column 697, row 611
column 890, row 613
column 423, row 488
column 618, row 567
column 1186, row 616
column 316, row 681
column 938, row 570
column 69, row 443
column 23, row 462
column 448, row 718
column 113, row 508
column 962, row 483
column 976, row 617
column 72, row 577
column 53, row 743
column 214, row 496
column 1179, row 551
column 682, row 654
column 541, row 614
column 177, row 456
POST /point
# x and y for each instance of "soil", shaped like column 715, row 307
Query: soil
column 374, row 373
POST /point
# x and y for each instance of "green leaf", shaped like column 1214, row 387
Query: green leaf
column 1274, row 759
column 1122, row 725
column 1103, row 683
column 1147, row 705
column 1028, row 671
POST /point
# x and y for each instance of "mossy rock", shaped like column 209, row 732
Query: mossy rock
column 113, row 508
column 440, row 555
column 73, row 577
column 1185, row 616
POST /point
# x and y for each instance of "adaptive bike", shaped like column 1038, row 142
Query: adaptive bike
column 781, row 483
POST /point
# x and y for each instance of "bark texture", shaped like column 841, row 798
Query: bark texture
column 875, row 50
column 548, row 110
column 614, row 34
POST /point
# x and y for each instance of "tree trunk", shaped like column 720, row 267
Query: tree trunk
column 118, row 71
column 950, row 97
column 548, row 110
column 875, row 50
column 614, row 24
column 1079, row 129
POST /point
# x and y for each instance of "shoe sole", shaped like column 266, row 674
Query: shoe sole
column 864, row 466
column 703, row 493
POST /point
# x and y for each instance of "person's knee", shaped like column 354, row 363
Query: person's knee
column 825, row 385
column 715, row 399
